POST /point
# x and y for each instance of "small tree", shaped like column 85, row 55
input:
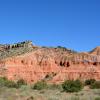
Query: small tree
column 72, row 86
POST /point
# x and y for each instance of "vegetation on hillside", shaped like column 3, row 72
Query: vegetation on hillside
column 95, row 85
column 11, row 84
column 89, row 81
column 67, row 86
column 56, row 91
column 72, row 86
column 40, row 85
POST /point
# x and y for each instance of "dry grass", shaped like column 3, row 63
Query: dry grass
column 26, row 93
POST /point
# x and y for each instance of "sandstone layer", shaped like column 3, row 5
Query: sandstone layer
column 50, row 64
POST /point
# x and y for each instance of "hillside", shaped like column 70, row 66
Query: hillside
column 32, row 63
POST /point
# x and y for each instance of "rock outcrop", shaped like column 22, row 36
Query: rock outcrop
column 54, row 65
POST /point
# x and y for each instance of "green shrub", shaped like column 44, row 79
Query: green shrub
column 21, row 82
column 95, row 85
column 11, row 84
column 72, row 86
column 97, row 98
column 89, row 81
column 40, row 85
column 3, row 81
column 4, row 78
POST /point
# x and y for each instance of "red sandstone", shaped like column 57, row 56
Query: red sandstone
column 61, row 65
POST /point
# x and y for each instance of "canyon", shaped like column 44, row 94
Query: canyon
column 32, row 63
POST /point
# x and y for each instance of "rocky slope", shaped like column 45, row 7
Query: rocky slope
column 54, row 65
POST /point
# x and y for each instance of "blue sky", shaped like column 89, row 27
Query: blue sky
column 74, row 24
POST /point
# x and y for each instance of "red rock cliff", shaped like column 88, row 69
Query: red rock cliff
column 52, row 64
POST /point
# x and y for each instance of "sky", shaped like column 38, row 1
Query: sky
column 74, row 24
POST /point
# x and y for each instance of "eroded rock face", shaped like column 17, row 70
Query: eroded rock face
column 52, row 64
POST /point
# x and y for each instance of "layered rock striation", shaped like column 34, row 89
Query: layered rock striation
column 55, row 65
